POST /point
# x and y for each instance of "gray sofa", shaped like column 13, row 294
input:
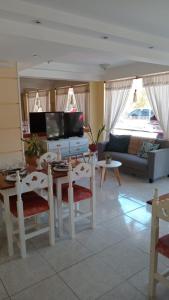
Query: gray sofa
column 154, row 167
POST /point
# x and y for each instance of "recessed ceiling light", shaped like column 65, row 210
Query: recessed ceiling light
column 38, row 22
column 151, row 47
column 105, row 37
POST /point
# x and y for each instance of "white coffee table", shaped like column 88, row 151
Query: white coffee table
column 112, row 165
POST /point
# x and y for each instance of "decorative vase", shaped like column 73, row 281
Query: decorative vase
column 93, row 147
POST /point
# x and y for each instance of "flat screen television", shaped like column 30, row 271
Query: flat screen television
column 37, row 122
column 54, row 125
column 73, row 124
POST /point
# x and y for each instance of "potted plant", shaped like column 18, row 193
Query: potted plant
column 94, row 142
column 33, row 149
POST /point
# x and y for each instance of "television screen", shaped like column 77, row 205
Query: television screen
column 73, row 123
column 37, row 122
column 54, row 125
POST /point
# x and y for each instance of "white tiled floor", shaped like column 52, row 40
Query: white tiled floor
column 109, row 262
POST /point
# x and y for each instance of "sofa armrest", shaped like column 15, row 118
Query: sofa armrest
column 158, row 163
column 101, row 148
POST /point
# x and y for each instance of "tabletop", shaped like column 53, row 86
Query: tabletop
column 112, row 164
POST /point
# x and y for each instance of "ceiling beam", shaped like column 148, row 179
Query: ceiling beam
column 34, row 11
column 137, row 53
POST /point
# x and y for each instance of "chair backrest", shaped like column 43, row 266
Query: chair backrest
column 160, row 208
column 82, row 170
column 34, row 181
column 46, row 158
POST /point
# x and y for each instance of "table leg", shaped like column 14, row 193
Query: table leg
column 117, row 175
column 103, row 172
column 59, row 206
column 9, row 225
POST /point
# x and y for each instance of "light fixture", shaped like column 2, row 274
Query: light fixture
column 105, row 37
column 38, row 22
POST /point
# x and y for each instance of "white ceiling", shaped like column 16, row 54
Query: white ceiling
column 69, row 44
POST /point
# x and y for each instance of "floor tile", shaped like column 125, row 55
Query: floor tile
column 125, row 225
column 21, row 273
column 142, row 215
column 52, row 288
column 91, row 278
column 124, row 292
column 100, row 238
column 140, row 281
column 125, row 259
column 3, row 293
column 110, row 207
column 64, row 254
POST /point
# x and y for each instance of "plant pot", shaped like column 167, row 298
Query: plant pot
column 93, row 147
column 31, row 160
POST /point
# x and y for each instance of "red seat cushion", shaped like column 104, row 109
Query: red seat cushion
column 32, row 204
column 163, row 245
column 80, row 193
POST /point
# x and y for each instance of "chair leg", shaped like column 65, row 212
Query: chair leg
column 92, row 209
column 9, row 227
column 59, row 209
column 153, row 270
column 71, row 220
column 21, row 229
column 52, row 226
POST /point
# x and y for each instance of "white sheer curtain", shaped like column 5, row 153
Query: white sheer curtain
column 61, row 99
column 116, row 95
column 157, row 89
column 82, row 99
column 38, row 101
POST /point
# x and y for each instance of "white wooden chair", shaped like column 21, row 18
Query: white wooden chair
column 72, row 194
column 160, row 210
column 47, row 158
column 29, row 203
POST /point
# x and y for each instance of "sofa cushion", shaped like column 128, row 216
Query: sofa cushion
column 147, row 147
column 136, row 142
column 118, row 143
column 130, row 161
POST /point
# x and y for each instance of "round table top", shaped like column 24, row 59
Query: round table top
column 112, row 164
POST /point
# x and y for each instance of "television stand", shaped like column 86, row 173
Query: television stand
column 52, row 139
column 71, row 146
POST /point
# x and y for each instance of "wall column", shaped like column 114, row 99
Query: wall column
column 52, row 100
column 96, row 106
column 10, row 117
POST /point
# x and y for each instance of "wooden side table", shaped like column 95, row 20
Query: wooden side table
column 112, row 165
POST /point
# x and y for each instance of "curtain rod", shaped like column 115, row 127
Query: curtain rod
column 71, row 86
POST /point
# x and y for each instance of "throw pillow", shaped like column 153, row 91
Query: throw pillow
column 136, row 143
column 147, row 147
column 118, row 143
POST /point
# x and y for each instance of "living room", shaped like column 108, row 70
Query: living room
column 56, row 46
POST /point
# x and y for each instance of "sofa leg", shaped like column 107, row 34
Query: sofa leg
column 151, row 180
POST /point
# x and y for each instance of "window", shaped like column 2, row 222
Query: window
column 71, row 101
column 33, row 101
column 138, row 117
